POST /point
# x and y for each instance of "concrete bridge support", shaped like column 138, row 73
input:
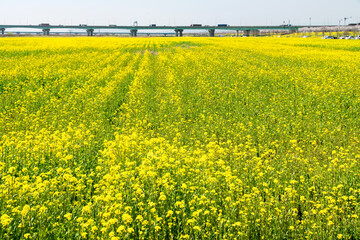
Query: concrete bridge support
column 179, row 32
column 46, row 32
column 133, row 32
column 211, row 32
column 237, row 33
column 247, row 33
column 2, row 30
column 90, row 32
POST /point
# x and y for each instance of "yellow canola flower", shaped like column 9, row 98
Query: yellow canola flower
column 127, row 219
column 27, row 236
column 5, row 220
column 26, row 209
column 68, row 216
column 162, row 197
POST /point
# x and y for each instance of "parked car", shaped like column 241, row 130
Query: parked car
column 223, row 25
column 328, row 37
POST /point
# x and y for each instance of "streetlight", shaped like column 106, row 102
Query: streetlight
column 346, row 18
column 339, row 27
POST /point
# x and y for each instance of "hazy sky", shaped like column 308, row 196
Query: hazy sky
column 175, row 12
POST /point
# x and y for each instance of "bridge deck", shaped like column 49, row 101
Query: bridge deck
column 240, row 28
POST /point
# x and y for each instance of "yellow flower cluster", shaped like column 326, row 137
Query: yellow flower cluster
column 179, row 138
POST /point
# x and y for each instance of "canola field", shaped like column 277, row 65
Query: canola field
column 179, row 138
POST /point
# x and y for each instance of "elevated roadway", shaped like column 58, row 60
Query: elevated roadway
column 134, row 29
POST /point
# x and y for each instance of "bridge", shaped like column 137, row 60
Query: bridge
column 79, row 33
column 134, row 29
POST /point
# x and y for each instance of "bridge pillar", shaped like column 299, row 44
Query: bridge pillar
column 90, row 32
column 211, row 32
column 179, row 32
column 247, row 33
column 133, row 32
column 237, row 33
column 46, row 32
column 2, row 31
